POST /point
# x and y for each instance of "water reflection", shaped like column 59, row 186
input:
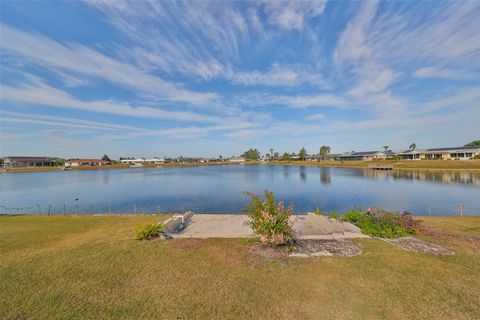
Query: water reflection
column 303, row 174
column 325, row 176
column 286, row 171
column 463, row 177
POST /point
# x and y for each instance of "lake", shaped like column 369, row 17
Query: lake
column 220, row 189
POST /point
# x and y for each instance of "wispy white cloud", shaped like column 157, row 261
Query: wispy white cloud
column 41, row 94
column 314, row 117
column 469, row 97
column 443, row 73
column 295, row 101
column 42, row 51
column 167, row 44
column 15, row 117
column 278, row 76
column 293, row 14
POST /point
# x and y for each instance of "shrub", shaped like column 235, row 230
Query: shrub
column 269, row 220
column 380, row 223
column 148, row 231
column 333, row 215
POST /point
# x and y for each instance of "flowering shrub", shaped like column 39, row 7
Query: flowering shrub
column 269, row 220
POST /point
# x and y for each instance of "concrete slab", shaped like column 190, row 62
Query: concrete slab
column 308, row 226
column 216, row 226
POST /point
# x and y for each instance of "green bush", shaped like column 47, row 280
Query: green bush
column 333, row 215
column 148, row 231
column 269, row 220
column 378, row 223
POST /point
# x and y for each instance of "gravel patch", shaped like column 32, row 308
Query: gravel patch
column 325, row 248
column 417, row 245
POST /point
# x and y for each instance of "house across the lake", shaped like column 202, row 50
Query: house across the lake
column 137, row 161
column 237, row 159
column 24, row 162
column 85, row 162
column 461, row 153
column 363, row 156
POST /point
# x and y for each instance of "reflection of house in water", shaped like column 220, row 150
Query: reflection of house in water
column 325, row 177
column 464, row 177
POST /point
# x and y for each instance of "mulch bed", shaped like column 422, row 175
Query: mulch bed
column 325, row 248
column 417, row 245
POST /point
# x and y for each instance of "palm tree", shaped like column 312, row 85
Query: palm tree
column 324, row 150
column 413, row 146
column 385, row 147
column 286, row 156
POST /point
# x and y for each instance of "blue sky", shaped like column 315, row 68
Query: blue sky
column 80, row 79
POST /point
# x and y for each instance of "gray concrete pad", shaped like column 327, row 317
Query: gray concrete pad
column 308, row 226
column 216, row 226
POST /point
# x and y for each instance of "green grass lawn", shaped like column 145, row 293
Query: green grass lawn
column 84, row 267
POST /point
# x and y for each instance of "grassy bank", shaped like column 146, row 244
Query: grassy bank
column 79, row 267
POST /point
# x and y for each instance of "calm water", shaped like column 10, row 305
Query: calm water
column 219, row 189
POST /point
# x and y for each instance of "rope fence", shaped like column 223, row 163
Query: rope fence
column 108, row 209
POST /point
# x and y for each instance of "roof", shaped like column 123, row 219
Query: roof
column 412, row 151
column 86, row 160
column 453, row 149
column 362, row 153
column 26, row 159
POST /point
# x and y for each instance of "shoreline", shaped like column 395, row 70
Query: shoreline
column 417, row 165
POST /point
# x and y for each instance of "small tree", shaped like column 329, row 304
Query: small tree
column 302, row 154
column 269, row 220
column 474, row 143
column 413, row 146
column 251, row 154
column 286, row 156
column 386, row 148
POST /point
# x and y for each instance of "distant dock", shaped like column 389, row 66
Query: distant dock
column 379, row 167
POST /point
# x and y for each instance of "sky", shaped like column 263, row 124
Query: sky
column 199, row 78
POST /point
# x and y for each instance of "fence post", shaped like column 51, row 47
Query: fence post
column 429, row 211
column 134, row 209
column 64, row 209
column 109, row 209
column 39, row 209
column 158, row 209
column 49, row 208
column 461, row 210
